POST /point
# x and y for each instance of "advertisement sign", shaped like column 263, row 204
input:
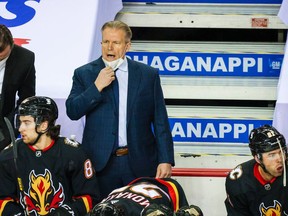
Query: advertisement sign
column 211, row 64
column 199, row 130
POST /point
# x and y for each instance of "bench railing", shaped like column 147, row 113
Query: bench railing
column 200, row 172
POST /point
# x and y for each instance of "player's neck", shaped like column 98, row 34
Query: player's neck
column 43, row 142
column 265, row 175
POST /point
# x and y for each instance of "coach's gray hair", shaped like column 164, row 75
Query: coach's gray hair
column 119, row 25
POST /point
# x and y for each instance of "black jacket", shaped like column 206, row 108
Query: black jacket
column 18, row 84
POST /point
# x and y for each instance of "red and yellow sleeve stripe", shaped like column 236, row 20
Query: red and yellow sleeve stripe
column 87, row 200
column 3, row 203
column 173, row 193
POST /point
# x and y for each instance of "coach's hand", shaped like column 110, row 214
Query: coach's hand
column 164, row 170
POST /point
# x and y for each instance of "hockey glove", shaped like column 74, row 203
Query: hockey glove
column 191, row 210
column 157, row 210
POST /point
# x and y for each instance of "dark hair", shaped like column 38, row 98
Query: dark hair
column 6, row 38
column 54, row 131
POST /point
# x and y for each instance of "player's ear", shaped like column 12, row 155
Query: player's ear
column 43, row 126
column 257, row 158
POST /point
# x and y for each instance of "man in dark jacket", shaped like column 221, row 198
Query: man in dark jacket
column 127, row 132
column 17, row 78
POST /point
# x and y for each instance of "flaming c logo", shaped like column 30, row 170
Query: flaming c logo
column 274, row 210
column 42, row 197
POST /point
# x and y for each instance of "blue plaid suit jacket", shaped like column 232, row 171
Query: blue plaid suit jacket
column 148, row 132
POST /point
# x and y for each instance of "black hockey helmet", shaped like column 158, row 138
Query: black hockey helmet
column 265, row 139
column 40, row 107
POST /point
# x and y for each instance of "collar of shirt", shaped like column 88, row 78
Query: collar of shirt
column 2, row 71
column 3, row 62
column 124, row 66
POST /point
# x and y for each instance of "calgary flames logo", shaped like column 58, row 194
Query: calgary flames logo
column 274, row 210
column 42, row 197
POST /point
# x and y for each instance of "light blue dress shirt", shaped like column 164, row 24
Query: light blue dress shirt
column 122, row 77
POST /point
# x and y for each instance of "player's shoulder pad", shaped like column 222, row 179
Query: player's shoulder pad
column 71, row 142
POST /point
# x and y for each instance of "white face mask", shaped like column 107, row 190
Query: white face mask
column 113, row 64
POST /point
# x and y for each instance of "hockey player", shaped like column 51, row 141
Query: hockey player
column 258, row 187
column 42, row 173
column 147, row 197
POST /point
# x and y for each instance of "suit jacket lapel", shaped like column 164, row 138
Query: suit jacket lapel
column 134, row 78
